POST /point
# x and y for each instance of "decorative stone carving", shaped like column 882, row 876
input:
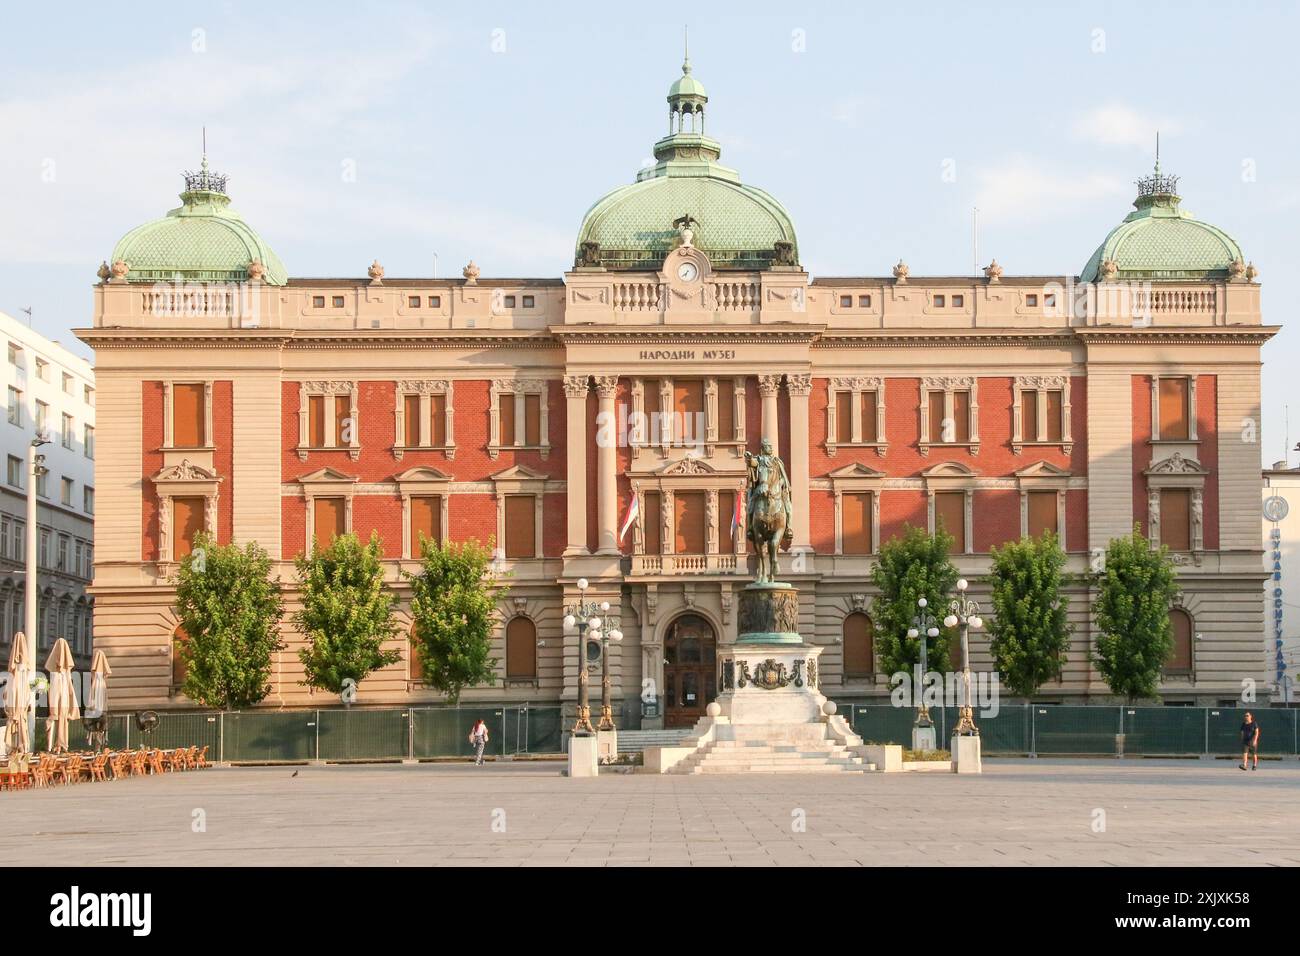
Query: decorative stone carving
column 783, row 253
column 900, row 272
column 799, row 384
column 858, row 601
column 769, row 610
column 1109, row 269
column 770, row 675
column 769, row 384
column 812, row 672
column 471, row 273
column 1251, row 272
column 1176, row 464
column 589, row 255
column 1153, row 515
column 1236, row 271
column 1198, row 520
column 606, row 385
column 376, row 273
column 185, row 471
column 435, row 386
column 104, row 272
column 577, row 386
column 728, row 599
column 688, row 466
column 256, row 270
column 119, row 270
column 993, row 272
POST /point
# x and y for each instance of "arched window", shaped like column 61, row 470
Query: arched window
column 1180, row 659
column 859, row 646
column 179, row 637
column 521, row 649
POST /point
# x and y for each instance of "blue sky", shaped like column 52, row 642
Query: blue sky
column 486, row 131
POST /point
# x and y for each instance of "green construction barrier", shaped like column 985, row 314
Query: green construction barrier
column 1006, row 732
column 1277, row 730
column 1058, row 729
column 362, row 734
column 1164, row 730
column 444, row 731
column 286, row 735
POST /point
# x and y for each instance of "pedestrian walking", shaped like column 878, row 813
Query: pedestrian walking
column 1250, row 741
column 478, row 738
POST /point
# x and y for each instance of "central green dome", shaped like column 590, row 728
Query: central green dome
column 635, row 226
column 1161, row 240
column 202, row 240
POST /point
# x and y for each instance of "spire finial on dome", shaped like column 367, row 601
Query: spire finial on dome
column 1158, row 188
column 686, row 50
column 204, row 181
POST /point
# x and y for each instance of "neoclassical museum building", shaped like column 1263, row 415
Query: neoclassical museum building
column 535, row 412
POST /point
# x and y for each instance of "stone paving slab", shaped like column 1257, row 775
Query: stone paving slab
column 1018, row 813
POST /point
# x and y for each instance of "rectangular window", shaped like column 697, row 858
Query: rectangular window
column 1176, row 519
column 188, row 415
column 864, row 302
column 529, row 302
column 961, row 416
column 1049, row 300
column 15, row 354
column 15, row 406
column 413, row 301
column 88, row 499
column 426, row 519
column 688, row 408
column 846, row 302
column 42, row 415
column 532, row 420
column 652, row 523
column 318, row 302
column 42, row 370
column 939, row 302
column 338, row 301
column 65, row 494
column 411, row 421
column 521, row 526
column 43, row 484
column 950, row 515
column 958, row 301
column 509, row 302
column 936, row 416
column 65, row 548
column 4, row 541
column 14, row 473
column 438, row 420
column 90, row 395
column 506, row 402
column 844, row 417
column 88, row 441
column 869, row 417
column 43, row 555
column 187, row 522
column 651, row 402
column 69, row 430
column 1031, row 300
column 1173, row 409
column 435, row 302
column 67, row 384
column 855, row 515
column 726, row 409
column 316, row 421
column 726, row 510
column 342, row 412
column 690, row 527
column 329, row 520
column 1029, row 415
column 1055, row 416
column 1042, row 513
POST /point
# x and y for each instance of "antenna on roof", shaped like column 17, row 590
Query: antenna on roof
column 1157, row 151
column 686, row 49
column 28, row 310
column 975, row 239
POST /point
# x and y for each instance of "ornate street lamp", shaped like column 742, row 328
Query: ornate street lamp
column 586, row 616
column 923, row 622
column 963, row 611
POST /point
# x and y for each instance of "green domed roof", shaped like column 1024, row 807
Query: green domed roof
column 635, row 226
column 1160, row 240
column 204, row 239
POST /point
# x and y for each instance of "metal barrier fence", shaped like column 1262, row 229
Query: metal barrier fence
column 335, row 735
column 1057, row 729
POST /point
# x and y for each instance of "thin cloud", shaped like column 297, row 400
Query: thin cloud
column 1025, row 190
column 1116, row 124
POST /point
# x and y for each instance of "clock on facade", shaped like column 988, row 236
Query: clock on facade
column 688, row 271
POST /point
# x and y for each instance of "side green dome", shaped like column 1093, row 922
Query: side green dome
column 202, row 240
column 1160, row 240
column 737, row 226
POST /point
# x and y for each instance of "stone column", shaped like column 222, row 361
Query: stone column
column 606, row 469
column 575, row 391
column 799, row 386
column 769, row 386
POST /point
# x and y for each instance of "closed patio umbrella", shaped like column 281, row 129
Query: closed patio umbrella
column 97, row 705
column 18, row 697
column 63, row 697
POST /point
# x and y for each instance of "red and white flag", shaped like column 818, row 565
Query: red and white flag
column 738, row 515
column 633, row 509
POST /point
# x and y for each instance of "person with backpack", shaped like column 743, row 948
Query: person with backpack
column 478, row 738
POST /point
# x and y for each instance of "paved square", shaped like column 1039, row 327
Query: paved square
column 1018, row 812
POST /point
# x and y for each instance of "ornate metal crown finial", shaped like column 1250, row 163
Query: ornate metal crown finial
column 1158, row 184
column 205, row 180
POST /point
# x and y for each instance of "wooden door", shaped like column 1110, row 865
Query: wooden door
column 690, row 670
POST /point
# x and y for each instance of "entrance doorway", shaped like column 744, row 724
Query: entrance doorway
column 690, row 668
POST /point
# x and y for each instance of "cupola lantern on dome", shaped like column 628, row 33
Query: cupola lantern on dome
column 1161, row 240
column 202, row 240
column 736, row 225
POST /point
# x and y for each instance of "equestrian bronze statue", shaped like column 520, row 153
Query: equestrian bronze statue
column 767, row 509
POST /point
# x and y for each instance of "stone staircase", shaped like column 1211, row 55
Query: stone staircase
column 760, row 752
column 635, row 741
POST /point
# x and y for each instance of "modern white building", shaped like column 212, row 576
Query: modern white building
column 1281, row 518
column 50, row 390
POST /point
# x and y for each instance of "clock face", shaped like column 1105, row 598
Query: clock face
column 687, row 272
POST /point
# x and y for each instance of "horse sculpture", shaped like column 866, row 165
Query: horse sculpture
column 767, row 516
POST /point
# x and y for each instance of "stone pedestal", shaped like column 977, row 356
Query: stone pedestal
column 923, row 738
column 583, row 756
column 606, row 746
column 769, row 614
column 966, row 755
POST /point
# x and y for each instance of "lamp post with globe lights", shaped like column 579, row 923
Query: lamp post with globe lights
column 592, row 620
column 923, row 623
column 965, row 612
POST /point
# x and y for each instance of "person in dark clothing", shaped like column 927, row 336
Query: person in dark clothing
column 1249, row 741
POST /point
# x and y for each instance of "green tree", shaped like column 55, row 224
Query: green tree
column 230, row 608
column 346, row 615
column 1135, row 636
column 910, row 567
column 1029, row 631
column 453, row 606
